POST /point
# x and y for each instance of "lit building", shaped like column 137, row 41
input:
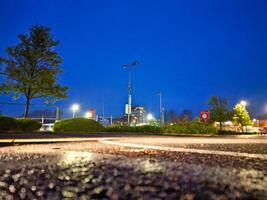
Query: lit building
column 138, row 117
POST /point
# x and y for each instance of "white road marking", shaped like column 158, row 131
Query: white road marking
column 186, row 150
column 46, row 140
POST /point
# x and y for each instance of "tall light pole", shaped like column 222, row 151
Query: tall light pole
column 129, row 105
column 74, row 108
column 161, row 111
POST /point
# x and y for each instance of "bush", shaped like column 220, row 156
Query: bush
column 148, row 129
column 191, row 128
column 120, row 129
column 27, row 124
column 134, row 129
column 9, row 124
column 80, row 125
column 224, row 132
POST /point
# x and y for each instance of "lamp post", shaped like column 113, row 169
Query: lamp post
column 74, row 108
column 129, row 68
column 149, row 117
column 161, row 111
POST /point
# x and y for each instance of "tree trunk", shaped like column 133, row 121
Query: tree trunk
column 28, row 99
column 220, row 126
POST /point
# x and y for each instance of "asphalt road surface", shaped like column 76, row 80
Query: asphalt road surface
column 136, row 167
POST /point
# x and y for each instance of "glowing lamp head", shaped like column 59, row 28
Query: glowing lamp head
column 243, row 103
column 75, row 107
column 150, row 116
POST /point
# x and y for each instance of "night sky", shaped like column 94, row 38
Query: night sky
column 188, row 50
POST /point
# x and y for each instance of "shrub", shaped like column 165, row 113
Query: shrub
column 134, row 129
column 224, row 132
column 80, row 125
column 191, row 128
column 148, row 129
column 121, row 129
column 27, row 124
column 176, row 128
column 9, row 124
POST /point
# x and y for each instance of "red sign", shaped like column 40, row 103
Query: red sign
column 204, row 115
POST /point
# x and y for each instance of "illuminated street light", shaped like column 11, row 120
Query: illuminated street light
column 75, row 107
column 149, row 117
column 129, row 105
column 87, row 115
column 243, row 103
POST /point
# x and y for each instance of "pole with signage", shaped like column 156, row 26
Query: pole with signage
column 129, row 105
column 204, row 116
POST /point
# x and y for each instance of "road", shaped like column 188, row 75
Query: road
column 136, row 167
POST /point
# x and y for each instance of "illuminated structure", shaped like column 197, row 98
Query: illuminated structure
column 90, row 114
column 128, row 108
column 75, row 107
column 138, row 117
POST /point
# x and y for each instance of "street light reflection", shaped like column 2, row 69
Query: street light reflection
column 72, row 157
column 151, row 166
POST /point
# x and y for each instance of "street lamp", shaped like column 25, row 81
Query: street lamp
column 75, row 107
column 149, row 117
column 243, row 103
column 129, row 68
column 161, row 111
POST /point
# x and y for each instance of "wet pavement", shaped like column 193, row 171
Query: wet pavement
column 93, row 170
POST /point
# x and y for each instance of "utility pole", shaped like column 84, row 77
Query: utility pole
column 103, row 110
column 129, row 105
column 57, row 113
column 161, row 110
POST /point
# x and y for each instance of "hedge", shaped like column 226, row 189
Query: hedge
column 191, row 128
column 9, row 124
column 79, row 125
column 134, row 129
column 27, row 124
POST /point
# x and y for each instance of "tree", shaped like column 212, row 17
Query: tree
column 31, row 68
column 171, row 116
column 186, row 115
column 241, row 116
column 219, row 111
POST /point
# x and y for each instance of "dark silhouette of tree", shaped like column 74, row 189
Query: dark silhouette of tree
column 219, row 111
column 171, row 116
column 186, row 115
column 31, row 68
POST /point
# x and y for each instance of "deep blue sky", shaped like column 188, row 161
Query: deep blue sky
column 189, row 50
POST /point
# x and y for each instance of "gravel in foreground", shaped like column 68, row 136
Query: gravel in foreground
column 58, row 173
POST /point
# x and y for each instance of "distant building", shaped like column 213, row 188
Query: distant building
column 119, row 121
column 137, row 117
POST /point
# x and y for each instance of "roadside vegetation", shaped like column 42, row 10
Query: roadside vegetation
column 134, row 129
column 78, row 125
column 31, row 68
column 83, row 125
column 18, row 125
column 27, row 124
column 195, row 127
